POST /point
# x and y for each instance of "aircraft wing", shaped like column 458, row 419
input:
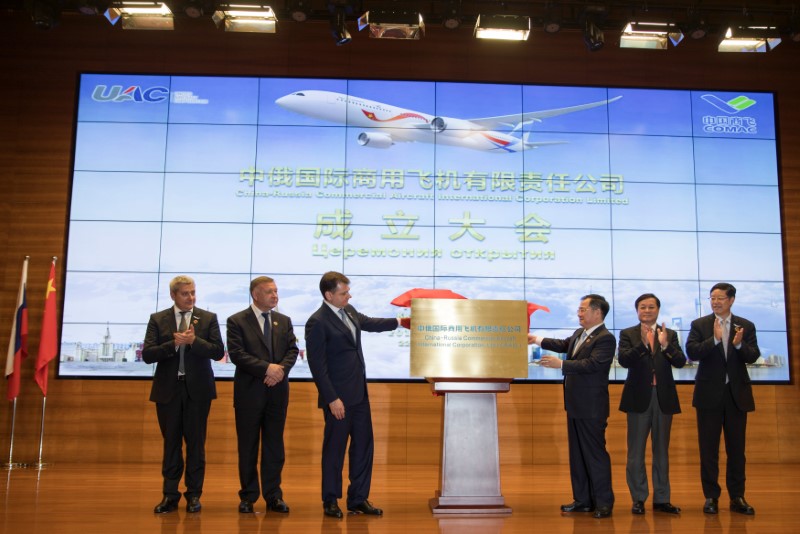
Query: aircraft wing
column 494, row 123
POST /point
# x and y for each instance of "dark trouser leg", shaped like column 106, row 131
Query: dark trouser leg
column 195, row 420
column 735, row 430
column 170, row 421
column 709, row 427
column 334, row 446
column 362, row 448
column 273, row 455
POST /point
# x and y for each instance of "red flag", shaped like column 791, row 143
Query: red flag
column 532, row 307
column 404, row 300
column 18, row 344
column 48, row 343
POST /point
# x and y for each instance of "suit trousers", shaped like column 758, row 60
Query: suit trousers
column 262, row 423
column 729, row 420
column 657, row 425
column 357, row 425
column 183, row 419
column 589, row 462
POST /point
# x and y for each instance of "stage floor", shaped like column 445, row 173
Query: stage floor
column 115, row 498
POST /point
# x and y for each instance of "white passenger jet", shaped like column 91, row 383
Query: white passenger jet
column 390, row 124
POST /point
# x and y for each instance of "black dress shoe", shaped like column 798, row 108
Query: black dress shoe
column 666, row 507
column 277, row 505
column 365, row 508
column 601, row 512
column 711, row 506
column 332, row 509
column 245, row 507
column 193, row 505
column 576, row 506
column 740, row 506
column 638, row 508
column 166, row 506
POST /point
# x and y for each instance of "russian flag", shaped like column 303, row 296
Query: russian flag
column 18, row 343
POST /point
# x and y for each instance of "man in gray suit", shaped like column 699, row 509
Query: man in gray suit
column 649, row 397
column 182, row 340
column 263, row 347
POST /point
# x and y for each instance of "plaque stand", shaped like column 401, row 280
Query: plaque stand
column 469, row 469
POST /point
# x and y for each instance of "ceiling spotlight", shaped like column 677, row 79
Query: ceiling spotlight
column 750, row 39
column 300, row 10
column 391, row 24
column 794, row 27
column 552, row 20
column 451, row 16
column 339, row 25
column 89, row 7
column 44, row 14
column 650, row 35
column 696, row 26
column 140, row 15
column 593, row 36
column 193, row 9
column 505, row 27
column 246, row 18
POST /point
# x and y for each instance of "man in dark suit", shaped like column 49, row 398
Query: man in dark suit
column 590, row 351
column 723, row 343
column 262, row 345
column 336, row 360
column 650, row 398
column 182, row 341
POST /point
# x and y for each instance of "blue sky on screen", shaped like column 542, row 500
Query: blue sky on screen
column 244, row 187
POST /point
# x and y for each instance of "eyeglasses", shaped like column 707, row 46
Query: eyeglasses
column 718, row 299
column 583, row 310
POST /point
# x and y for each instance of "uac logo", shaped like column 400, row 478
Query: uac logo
column 134, row 93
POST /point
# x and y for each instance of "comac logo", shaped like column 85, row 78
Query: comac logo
column 731, row 107
column 134, row 93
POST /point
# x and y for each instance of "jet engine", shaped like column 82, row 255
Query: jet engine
column 452, row 127
column 375, row 140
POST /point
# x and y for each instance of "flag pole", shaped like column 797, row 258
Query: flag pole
column 46, row 353
column 11, row 464
column 39, row 464
column 17, row 351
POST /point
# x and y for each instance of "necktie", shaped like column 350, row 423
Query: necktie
column 343, row 315
column 268, row 330
column 726, row 332
column 182, row 328
column 583, row 337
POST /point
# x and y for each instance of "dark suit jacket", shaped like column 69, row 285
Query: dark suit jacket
column 336, row 360
column 248, row 350
column 640, row 363
column 159, row 348
column 586, row 372
column 709, row 382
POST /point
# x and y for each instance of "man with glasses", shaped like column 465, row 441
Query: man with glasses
column 589, row 350
column 723, row 343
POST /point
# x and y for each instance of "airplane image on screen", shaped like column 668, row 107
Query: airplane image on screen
column 391, row 124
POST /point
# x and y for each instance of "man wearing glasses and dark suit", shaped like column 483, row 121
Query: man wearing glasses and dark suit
column 723, row 344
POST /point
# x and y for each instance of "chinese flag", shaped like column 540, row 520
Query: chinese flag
column 18, row 344
column 48, row 344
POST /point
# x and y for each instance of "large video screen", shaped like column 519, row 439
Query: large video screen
column 494, row 191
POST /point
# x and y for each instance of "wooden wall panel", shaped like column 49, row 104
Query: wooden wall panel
column 112, row 421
